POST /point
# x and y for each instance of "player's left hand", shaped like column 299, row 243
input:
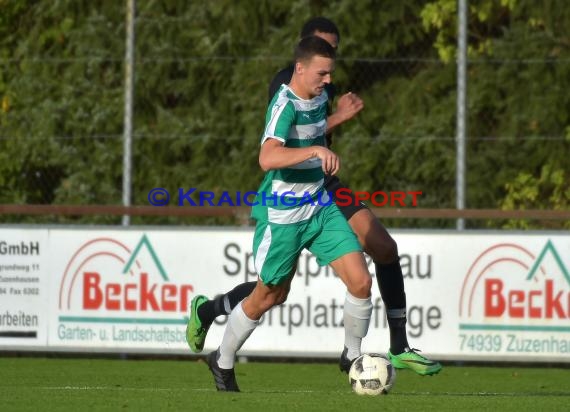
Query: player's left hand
column 349, row 105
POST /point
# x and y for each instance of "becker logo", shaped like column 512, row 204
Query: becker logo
column 509, row 285
column 106, row 275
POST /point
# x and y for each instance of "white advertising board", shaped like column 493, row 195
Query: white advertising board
column 23, row 287
column 470, row 295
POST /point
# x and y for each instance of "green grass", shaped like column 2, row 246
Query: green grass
column 39, row 384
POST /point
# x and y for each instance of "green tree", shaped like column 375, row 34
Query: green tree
column 517, row 109
column 202, row 71
column 526, row 191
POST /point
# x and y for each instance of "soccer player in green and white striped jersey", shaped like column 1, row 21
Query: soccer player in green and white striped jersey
column 295, row 193
column 293, row 212
column 373, row 236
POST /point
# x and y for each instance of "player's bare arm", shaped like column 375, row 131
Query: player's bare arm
column 348, row 106
column 273, row 155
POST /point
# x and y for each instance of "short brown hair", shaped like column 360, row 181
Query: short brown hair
column 312, row 46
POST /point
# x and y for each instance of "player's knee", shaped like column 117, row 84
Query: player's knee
column 384, row 251
column 280, row 299
column 367, row 284
column 263, row 303
column 360, row 287
column 267, row 304
column 277, row 297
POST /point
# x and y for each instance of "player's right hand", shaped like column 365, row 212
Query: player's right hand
column 330, row 162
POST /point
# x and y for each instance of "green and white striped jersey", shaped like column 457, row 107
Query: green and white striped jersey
column 296, row 193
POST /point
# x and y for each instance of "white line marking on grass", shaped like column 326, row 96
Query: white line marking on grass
column 103, row 388
column 121, row 388
column 302, row 391
column 508, row 394
column 286, row 391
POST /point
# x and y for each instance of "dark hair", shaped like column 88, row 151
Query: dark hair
column 321, row 24
column 313, row 46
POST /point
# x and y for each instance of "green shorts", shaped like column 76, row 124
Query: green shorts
column 276, row 247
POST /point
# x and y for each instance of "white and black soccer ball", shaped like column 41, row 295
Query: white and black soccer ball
column 371, row 374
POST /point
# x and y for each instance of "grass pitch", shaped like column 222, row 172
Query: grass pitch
column 49, row 384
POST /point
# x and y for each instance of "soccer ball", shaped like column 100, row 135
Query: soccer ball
column 371, row 374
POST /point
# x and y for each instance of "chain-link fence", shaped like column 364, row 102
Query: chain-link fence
column 199, row 106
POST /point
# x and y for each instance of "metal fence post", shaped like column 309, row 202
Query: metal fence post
column 128, row 119
column 461, row 112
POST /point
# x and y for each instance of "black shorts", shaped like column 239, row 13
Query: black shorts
column 332, row 184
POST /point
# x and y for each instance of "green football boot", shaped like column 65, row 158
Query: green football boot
column 195, row 332
column 411, row 359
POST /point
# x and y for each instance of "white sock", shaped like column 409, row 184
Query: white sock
column 237, row 331
column 356, row 321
